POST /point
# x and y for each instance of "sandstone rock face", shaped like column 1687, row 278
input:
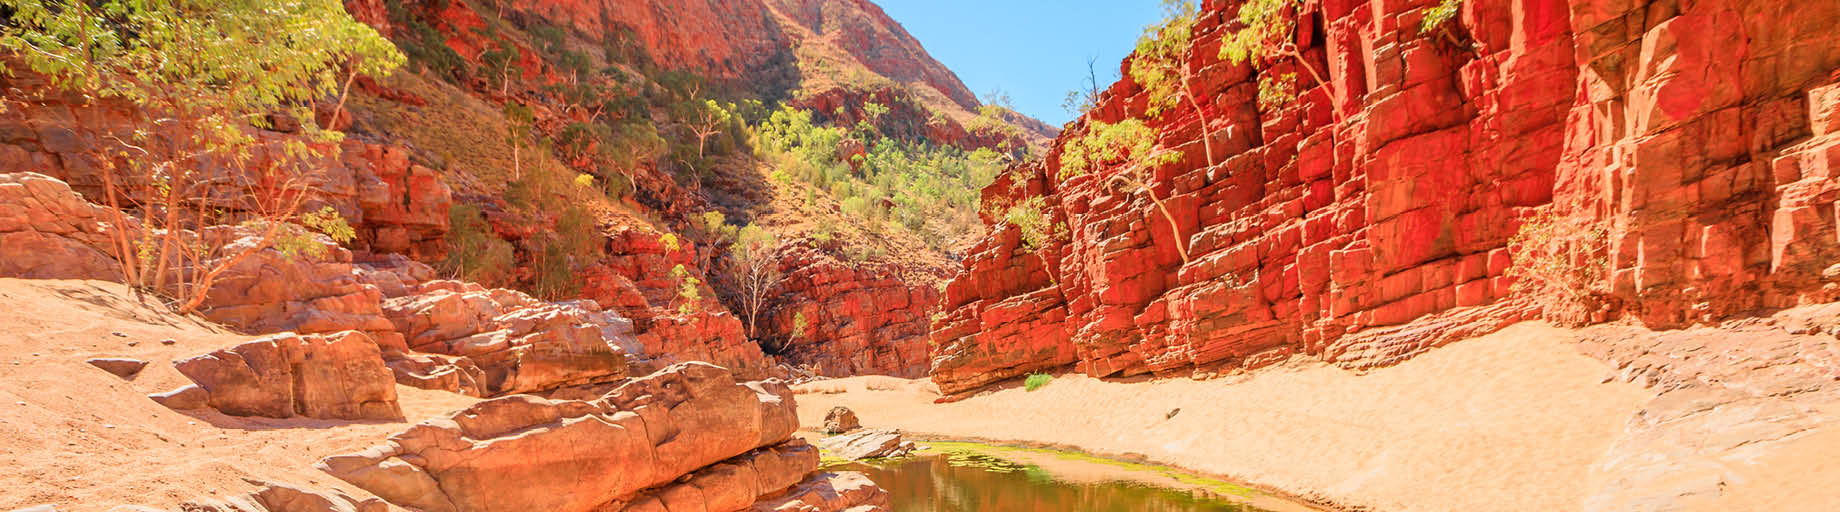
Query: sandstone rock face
column 47, row 231
column 636, row 281
column 692, row 419
column 340, row 376
column 859, row 319
column 513, row 342
column 1698, row 136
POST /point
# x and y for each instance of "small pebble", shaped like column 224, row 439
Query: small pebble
column 168, row 341
column 105, row 425
column 119, row 335
column 133, row 343
column 22, row 403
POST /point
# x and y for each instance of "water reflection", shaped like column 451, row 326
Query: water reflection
column 969, row 481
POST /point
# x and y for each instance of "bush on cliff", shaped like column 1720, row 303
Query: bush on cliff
column 475, row 253
column 1560, row 264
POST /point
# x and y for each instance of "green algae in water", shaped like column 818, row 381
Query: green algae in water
column 971, row 477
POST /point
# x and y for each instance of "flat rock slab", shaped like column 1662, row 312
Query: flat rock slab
column 121, row 367
column 867, row 444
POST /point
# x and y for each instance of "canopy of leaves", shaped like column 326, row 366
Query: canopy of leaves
column 1130, row 142
column 1158, row 62
column 214, row 64
column 1263, row 30
column 1436, row 16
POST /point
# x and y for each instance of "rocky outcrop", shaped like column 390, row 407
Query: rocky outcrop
column 860, row 319
column 274, row 497
column 435, row 334
column 393, row 204
column 686, row 438
column 339, row 376
column 1725, row 394
column 840, row 419
column 1697, row 136
column 512, row 342
column 830, row 492
column 637, row 280
column 860, row 28
column 47, row 231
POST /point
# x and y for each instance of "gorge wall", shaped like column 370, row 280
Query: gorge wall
column 1371, row 218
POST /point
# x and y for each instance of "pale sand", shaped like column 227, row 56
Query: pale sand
column 86, row 440
column 1509, row 421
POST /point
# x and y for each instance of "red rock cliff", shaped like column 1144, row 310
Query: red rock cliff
column 1699, row 136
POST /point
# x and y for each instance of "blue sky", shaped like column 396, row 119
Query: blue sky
column 1035, row 50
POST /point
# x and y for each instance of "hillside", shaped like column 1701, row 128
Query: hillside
column 553, row 147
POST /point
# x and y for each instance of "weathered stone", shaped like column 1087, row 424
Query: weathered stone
column 503, row 454
column 184, row 398
column 840, row 419
column 121, row 367
column 867, row 444
column 48, row 231
column 340, row 376
column 1359, row 222
column 830, row 492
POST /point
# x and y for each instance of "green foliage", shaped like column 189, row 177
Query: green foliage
column 930, row 191
column 1036, row 226
column 716, row 226
column 327, row 221
column 474, row 252
column 1158, row 62
column 425, row 47
column 1559, row 262
column 573, row 243
column 1438, row 15
column 212, row 63
column 1036, row 381
column 689, row 290
column 1129, row 141
column 670, row 242
column 500, row 61
column 1277, row 89
column 1264, row 28
column 199, row 74
column 798, row 325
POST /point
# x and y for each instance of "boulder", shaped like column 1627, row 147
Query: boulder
column 273, row 497
column 504, row 341
column 338, row 376
column 121, row 367
column 503, row 454
column 839, row 420
column 185, row 398
column 48, row 231
column 830, row 492
column 867, row 444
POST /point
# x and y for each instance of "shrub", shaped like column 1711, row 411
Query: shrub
column 1036, row 381
column 474, row 252
column 1560, row 263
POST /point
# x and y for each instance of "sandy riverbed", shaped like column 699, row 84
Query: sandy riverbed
column 1510, row 421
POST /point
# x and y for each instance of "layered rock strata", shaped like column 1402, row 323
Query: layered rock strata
column 1686, row 147
column 686, row 438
